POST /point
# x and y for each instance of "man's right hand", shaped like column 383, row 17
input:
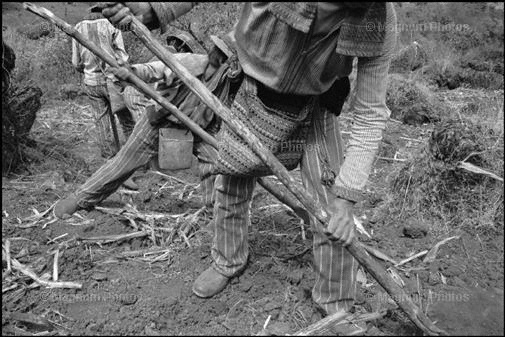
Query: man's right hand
column 119, row 13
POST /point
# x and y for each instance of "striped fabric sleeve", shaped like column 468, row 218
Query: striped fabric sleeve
column 370, row 114
column 166, row 12
column 117, row 40
column 156, row 70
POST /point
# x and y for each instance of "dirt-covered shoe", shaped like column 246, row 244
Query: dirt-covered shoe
column 65, row 207
column 209, row 283
column 130, row 184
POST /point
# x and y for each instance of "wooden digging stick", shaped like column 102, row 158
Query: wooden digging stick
column 356, row 249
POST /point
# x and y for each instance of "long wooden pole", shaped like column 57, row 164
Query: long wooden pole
column 199, row 89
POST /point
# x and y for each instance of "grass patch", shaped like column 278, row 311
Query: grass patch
column 406, row 97
column 45, row 63
column 433, row 188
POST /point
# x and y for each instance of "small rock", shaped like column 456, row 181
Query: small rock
column 276, row 314
column 415, row 117
column 272, row 305
column 151, row 332
column 204, row 253
column 263, row 333
column 411, row 284
column 98, row 276
column 295, row 276
column 145, row 196
column 316, row 317
column 136, row 243
column 452, row 270
column 218, row 307
column 70, row 91
column 171, row 302
column 245, row 286
column 374, row 331
column 92, row 327
column 434, row 279
column 415, row 230
column 129, row 299
column 456, row 281
column 96, row 327
column 279, row 328
column 88, row 228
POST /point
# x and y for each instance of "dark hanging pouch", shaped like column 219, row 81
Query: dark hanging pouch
column 335, row 97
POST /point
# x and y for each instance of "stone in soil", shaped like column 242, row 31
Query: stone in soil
column 414, row 229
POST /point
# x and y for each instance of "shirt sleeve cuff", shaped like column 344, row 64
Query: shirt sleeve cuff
column 346, row 193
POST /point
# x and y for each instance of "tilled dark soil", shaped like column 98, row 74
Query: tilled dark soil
column 462, row 289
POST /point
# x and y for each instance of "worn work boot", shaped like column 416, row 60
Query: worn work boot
column 130, row 184
column 209, row 283
column 65, row 207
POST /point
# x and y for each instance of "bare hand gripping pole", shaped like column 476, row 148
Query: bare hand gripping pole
column 355, row 248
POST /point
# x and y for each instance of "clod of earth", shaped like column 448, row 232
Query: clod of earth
column 415, row 229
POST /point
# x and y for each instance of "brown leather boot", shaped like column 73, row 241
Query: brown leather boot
column 209, row 283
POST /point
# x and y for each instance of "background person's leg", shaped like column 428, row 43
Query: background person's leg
column 101, row 113
column 206, row 155
column 140, row 147
column 136, row 102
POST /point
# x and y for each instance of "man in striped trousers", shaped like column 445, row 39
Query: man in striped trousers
column 141, row 147
column 291, row 53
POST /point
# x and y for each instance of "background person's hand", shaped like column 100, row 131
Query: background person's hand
column 341, row 225
column 119, row 13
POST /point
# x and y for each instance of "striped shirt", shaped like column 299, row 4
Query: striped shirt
column 290, row 47
column 107, row 38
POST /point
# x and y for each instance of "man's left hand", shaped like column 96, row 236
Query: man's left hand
column 341, row 225
column 121, row 73
column 119, row 13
